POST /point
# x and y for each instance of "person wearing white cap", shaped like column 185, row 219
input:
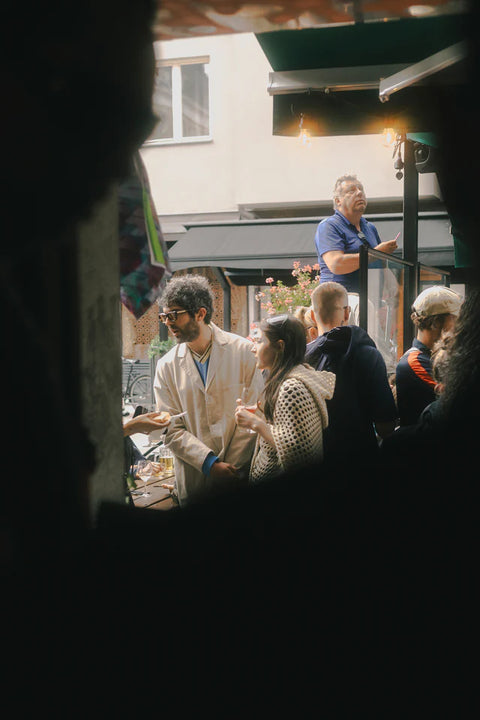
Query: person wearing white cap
column 434, row 313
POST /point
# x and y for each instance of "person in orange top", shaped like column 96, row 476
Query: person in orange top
column 434, row 313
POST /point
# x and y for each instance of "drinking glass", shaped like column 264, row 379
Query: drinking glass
column 165, row 457
column 250, row 408
column 144, row 470
column 168, row 462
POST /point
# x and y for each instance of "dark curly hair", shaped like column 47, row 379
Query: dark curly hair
column 463, row 372
column 191, row 292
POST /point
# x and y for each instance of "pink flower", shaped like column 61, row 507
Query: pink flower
column 316, row 267
column 269, row 280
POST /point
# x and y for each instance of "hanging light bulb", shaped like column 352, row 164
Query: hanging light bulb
column 304, row 135
column 388, row 136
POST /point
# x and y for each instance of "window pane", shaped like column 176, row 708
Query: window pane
column 162, row 104
column 194, row 101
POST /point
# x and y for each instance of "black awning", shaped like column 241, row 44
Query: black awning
column 250, row 251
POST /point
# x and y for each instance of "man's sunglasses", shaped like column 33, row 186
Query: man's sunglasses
column 170, row 316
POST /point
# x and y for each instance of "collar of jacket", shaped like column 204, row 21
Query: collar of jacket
column 218, row 336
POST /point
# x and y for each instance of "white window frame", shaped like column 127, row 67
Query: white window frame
column 178, row 138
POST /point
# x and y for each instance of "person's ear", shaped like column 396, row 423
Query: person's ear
column 201, row 314
column 281, row 345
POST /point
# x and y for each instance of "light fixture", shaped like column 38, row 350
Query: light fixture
column 398, row 164
column 304, row 135
column 388, row 136
column 421, row 10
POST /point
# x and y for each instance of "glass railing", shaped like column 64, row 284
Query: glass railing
column 388, row 286
column 431, row 276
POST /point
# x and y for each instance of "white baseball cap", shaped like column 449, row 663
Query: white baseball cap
column 437, row 300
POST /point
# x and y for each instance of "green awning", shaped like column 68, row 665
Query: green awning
column 263, row 247
column 373, row 47
column 377, row 43
column 424, row 138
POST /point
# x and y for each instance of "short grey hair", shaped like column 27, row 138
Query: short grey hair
column 338, row 184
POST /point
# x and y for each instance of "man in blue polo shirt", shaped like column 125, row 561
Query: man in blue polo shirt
column 338, row 238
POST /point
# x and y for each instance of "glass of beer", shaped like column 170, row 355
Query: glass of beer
column 165, row 458
column 168, row 462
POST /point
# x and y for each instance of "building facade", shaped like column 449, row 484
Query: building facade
column 232, row 196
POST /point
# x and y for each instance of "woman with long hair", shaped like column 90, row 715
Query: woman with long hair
column 290, row 432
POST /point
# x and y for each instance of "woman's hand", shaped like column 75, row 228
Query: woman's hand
column 246, row 418
column 146, row 423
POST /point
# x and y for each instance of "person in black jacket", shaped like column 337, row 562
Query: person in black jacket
column 362, row 406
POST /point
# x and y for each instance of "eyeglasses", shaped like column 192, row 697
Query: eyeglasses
column 170, row 316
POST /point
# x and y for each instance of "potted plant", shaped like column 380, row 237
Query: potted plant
column 158, row 347
column 280, row 298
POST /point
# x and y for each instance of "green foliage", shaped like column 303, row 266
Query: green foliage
column 279, row 298
column 160, row 347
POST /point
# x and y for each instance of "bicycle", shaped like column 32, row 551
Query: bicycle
column 138, row 389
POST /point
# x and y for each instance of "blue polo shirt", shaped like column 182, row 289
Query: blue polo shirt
column 337, row 233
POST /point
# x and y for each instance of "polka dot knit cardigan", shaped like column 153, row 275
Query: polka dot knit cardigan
column 299, row 419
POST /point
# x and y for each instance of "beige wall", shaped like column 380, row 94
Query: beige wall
column 244, row 163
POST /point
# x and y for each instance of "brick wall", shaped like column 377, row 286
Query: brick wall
column 137, row 334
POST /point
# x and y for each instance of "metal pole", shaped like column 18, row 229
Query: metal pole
column 410, row 239
column 363, row 288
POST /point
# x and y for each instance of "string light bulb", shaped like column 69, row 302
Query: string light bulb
column 304, row 136
column 389, row 136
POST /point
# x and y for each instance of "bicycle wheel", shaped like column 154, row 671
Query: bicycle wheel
column 141, row 390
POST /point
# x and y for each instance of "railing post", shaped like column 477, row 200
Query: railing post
column 363, row 288
column 410, row 239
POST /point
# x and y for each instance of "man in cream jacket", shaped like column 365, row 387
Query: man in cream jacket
column 203, row 376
